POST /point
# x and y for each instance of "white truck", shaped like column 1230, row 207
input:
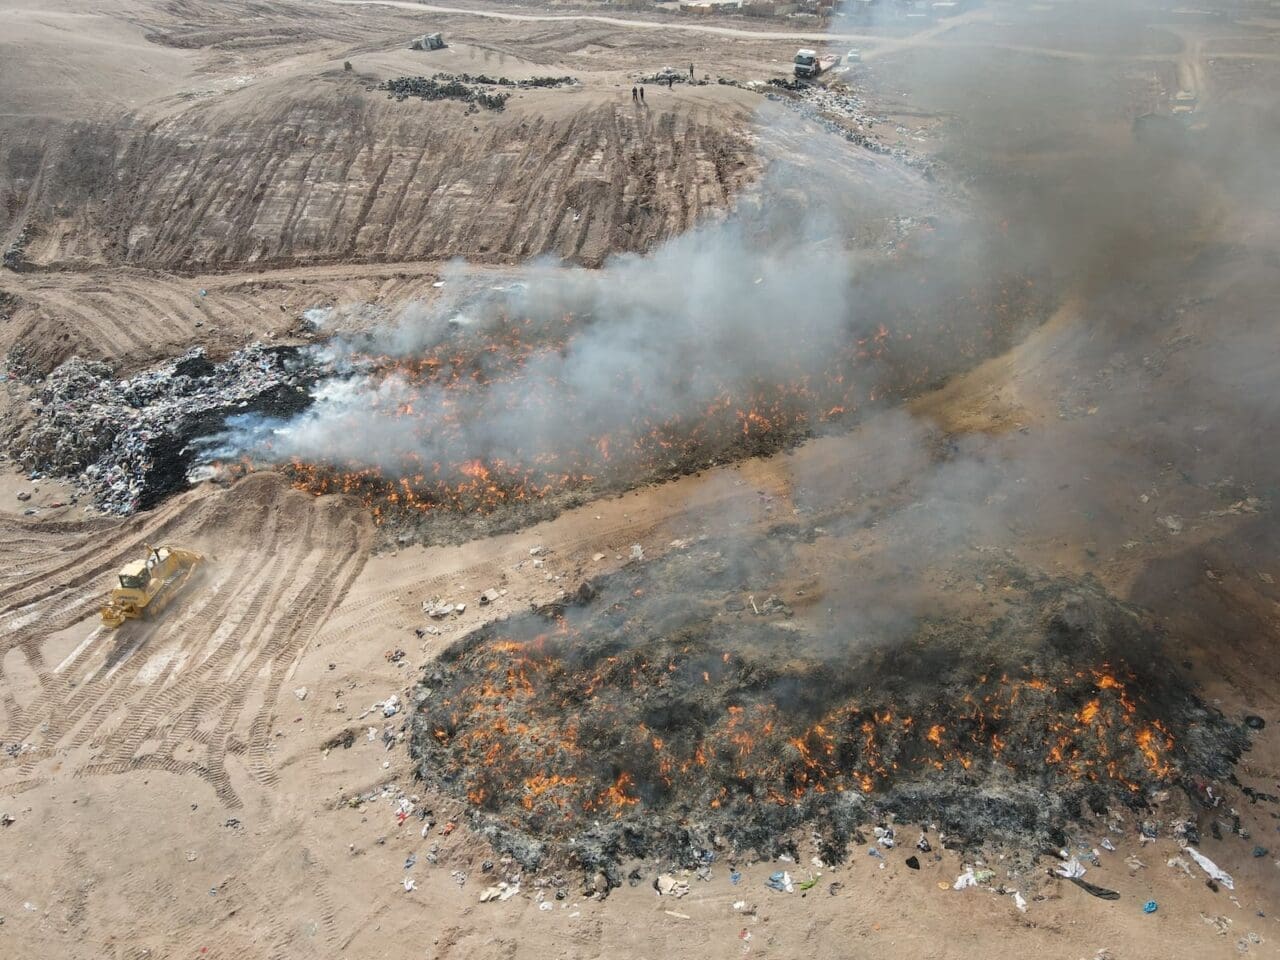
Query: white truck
column 809, row 65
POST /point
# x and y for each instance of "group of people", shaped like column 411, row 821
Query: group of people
column 637, row 93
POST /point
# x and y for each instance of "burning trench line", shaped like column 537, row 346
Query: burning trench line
column 506, row 413
column 609, row 729
column 480, row 422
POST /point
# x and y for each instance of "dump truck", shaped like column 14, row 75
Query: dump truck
column 146, row 586
column 809, row 65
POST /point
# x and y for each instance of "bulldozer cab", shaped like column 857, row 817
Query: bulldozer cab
column 136, row 576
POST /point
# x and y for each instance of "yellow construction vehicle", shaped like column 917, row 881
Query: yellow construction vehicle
column 147, row 586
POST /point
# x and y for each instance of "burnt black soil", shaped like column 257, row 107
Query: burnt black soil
column 173, row 454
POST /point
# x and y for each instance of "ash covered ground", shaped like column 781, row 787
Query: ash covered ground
column 668, row 711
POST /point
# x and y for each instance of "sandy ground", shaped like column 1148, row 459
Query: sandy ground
column 179, row 795
column 179, row 788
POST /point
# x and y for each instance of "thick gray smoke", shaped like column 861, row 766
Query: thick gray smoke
column 1060, row 190
column 661, row 335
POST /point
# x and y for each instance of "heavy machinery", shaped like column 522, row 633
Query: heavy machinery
column 147, row 586
column 809, row 65
column 431, row 41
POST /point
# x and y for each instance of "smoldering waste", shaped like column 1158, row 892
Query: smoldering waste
column 129, row 443
column 662, row 709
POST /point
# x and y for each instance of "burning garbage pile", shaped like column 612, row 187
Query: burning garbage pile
column 129, row 443
column 465, row 87
column 660, row 713
column 504, row 406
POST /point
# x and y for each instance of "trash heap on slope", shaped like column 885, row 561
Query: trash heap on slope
column 125, row 441
column 465, row 87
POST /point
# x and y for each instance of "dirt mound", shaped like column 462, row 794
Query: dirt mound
column 335, row 172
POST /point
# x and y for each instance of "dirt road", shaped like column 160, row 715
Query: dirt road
column 878, row 43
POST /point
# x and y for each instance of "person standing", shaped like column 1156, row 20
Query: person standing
column 635, row 98
column 691, row 73
column 671, row 81
column 642, row 93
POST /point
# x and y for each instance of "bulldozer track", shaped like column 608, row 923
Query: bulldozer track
column 170, row 695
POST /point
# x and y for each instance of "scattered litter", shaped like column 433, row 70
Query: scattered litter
column 1135, row 864
column 501, row 892
column 780, row 881
column 409, row 884
column 678, row 916
column 1180, row 864
column 668, row 885
column 735, row 877
column 391, row 706
column 808, row 884
column 1150, row 907
column 965, row 880
column 913, row 863
column 1211, row 868
column 637, row 552
column 438, row 610
column 1072, row 869
column 1219, row 923
column 1102, row 893
column 301, row 693
column 1260, row 852
column 1107, row 844
column 1020, row 902
column 410, row 860
column 545, row 905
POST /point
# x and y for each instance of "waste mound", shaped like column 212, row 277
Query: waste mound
column 129, row 443
column 465, row 87
column 657, row 714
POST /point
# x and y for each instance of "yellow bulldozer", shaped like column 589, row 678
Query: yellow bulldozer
column 147, row 586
